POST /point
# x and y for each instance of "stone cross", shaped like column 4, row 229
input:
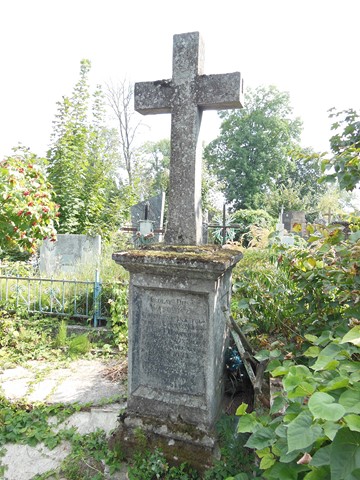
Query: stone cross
column 186, row 96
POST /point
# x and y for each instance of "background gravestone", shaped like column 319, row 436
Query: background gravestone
column 292, row 217
column 155, row 213
column 69, row 253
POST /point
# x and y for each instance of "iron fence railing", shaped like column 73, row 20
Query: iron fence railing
column 70, row 298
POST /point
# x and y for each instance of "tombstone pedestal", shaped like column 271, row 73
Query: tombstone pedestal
column 178, row 306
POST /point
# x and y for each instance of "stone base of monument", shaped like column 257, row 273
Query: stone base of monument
column 179, row 302
column 178, row 441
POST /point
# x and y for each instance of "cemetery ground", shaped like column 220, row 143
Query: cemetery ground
column 61, row 396
column 298, row 307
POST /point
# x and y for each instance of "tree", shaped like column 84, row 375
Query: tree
column 28, row 213
column 252, row 153
column 120, row 99
column 345, row 145
column 157, row 158
column 82, row 162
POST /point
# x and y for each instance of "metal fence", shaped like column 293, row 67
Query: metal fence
column 70, row 298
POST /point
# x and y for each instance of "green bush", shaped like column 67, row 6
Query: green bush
column 119, row 311
column 261, row 295
column 246, row 219
column 313, row 430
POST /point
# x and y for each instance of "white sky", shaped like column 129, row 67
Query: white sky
column 307, row 47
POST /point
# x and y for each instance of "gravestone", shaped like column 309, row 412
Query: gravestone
column 155, row 214
column 283, row 234
column 179, row 292
column 293, row 217
column 186, row 95
column 69, row 254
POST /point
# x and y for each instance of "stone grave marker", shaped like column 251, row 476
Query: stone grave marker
column 186, row 95
column 69, row 254
column 283, row 234
column 155, row 213
column 179, row 293
column 292, row 217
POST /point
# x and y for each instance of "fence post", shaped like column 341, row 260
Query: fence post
column 97, row 293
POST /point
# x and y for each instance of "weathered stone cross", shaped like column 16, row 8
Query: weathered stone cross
column 186, row 96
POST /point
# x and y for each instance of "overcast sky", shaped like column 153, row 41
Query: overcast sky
column 309, row 48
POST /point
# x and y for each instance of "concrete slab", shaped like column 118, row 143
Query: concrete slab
column 83, row 381
column 103, row 418
column 24, row 462
column 14, row 382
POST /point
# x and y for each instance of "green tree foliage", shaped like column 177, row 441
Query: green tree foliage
column 81, row 162
column 251, row 155
column 246, row 219
column 157, row 157
column 345, row 145
column 298, row 188
column 27, row 210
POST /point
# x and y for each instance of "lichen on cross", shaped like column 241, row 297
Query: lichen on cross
column 186, row 96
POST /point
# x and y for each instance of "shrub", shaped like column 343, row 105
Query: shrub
column 248, row 218
column 313, row 430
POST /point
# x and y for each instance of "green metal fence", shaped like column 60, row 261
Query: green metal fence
column 70, row 298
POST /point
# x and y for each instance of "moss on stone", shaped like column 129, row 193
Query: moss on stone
column 181, row 443
column 201, row 253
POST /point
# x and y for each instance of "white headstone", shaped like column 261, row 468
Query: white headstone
column 69, row 254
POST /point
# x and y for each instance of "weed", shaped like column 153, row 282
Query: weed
column 153, row 465
column 61, row 337
column 79, row 345
column 28, row 424
column 234, row 456
column 89, row 455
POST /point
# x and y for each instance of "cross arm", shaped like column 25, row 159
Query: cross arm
column 153, row 97
column 217, row 92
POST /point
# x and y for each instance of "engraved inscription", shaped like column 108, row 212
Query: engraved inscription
column 173, row 340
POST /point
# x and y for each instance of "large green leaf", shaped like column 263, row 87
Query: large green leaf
column 325, row 363
column 302, row 433
column 353, row 336
column 353, row 422
column 345, row 455
column 322, row 405
column 321, row 457
column 278, row 404
column 263, row 437
column 280, row 471
column 322, row 473
column 312, row 352
column 304, row 389
column 350, row 400
column 335, row 384
column 247, row 423
column 330, row 429
column 296, row 375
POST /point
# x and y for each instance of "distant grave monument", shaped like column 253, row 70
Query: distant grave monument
column 153, row 210
column 292, row 217
column 69, row 253
column 179, row 296
column 282, row 233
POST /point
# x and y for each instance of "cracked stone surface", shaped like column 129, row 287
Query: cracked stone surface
column 83, row 381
